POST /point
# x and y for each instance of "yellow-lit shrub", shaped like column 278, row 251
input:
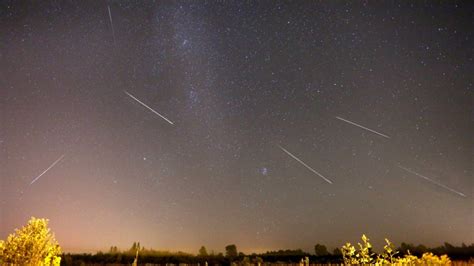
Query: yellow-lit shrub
column 31, row 245
column 364, row 256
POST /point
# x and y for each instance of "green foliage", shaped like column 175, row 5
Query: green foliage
column 304, row 261
column 427, row 258
column 31, row 245
column 349, row 254
column 365, row 251
column 365, row 256
column 388, row 255
column 2, row 247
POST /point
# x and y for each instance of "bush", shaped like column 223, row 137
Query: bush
column 31, row 245
column 365, row 256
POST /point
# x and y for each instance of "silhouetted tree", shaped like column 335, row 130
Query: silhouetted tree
column 414, row 250
column 202, row 251
column 448, row 247
column 134, row 247
column 231, row 251
column 320, row 250
column 337, row 252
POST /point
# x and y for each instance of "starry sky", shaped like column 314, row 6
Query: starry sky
column 263, row 98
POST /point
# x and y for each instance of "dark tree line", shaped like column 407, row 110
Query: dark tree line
column 462, row 252
column 320, row 255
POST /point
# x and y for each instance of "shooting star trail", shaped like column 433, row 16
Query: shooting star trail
column 305, row 165
column 431, row 180
column 47, row 169
column 149, row 108
column 111, row 23
column 357, row 125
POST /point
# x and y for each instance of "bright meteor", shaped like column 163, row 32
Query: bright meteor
column 304, row 164
column 431, row 180
column 149, row 108
column 357, row 125
column 47, row 169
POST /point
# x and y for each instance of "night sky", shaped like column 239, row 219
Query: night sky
column 181, row 124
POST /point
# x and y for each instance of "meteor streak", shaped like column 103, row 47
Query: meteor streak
column 431, row 180
column 47, row 169
column 305, row 165
column 111, row 24
column 357, row 125
column 149, row 108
